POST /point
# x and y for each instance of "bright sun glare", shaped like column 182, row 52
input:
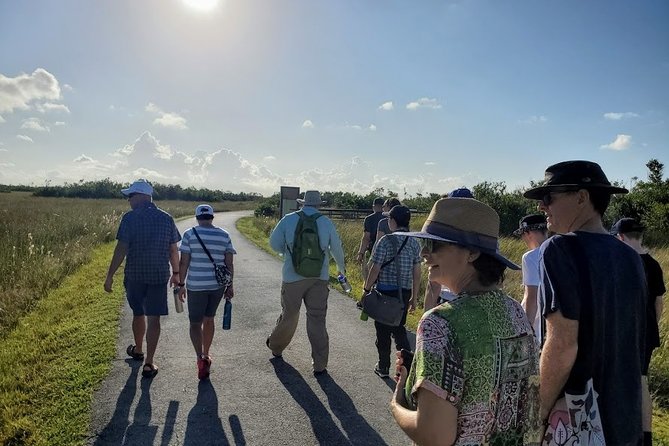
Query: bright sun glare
column 201, row 5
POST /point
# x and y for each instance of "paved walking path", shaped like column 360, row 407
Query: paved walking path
column 251, row 398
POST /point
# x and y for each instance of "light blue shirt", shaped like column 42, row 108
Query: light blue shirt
column 284, row 233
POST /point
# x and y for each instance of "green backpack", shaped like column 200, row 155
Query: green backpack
column 307, row 254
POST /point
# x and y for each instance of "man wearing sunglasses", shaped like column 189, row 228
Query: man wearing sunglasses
column 593, row 294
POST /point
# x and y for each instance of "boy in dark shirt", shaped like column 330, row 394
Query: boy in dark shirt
column 629, row 231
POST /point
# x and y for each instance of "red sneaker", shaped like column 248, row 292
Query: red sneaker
column 203, row 366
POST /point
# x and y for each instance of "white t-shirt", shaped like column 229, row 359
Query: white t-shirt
column 446, row 295
column 531, row 277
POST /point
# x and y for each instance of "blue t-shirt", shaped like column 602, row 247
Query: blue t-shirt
column 611, row 321
column 148, row 232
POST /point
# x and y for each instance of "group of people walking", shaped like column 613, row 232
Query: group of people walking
column 566, row 366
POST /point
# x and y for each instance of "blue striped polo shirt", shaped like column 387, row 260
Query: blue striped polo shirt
column 201, row 275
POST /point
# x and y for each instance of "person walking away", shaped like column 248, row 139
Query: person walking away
column 200, row 285
column 629, row 231
column 593, row 292
column 370, row 225
column 306, row 239
column 474, row 376
column 392, row 253
column 147, row 239
column 383, row 228
column 532, row 230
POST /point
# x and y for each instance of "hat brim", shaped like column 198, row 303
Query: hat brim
column 538, row 192
column 301, row 201
column 499, row 257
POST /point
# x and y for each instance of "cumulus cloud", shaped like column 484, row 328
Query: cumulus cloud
column 424, row 103
column 371, row 128
column 2, row 120
column 307, row 124
column 83, row 159
column 35, row 124
column 51, row 107
column 146, row 149
column 21, row 91
column 613, row 116
column 24, row 138
column 534, row 120
column 166, row 119
column 387, row 106
column 622, row 142
column 58, row 123
column 269, row 158
column 430, row 163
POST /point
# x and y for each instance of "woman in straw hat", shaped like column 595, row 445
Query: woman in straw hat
column 475, row 371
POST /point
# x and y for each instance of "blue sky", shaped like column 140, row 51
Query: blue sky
column 346, row 95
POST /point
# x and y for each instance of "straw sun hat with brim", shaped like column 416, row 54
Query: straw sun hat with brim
column 573, row 175
column 466, row 222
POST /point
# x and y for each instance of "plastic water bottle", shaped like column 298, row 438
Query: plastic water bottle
column 227, row 314
column 178, row 305
column 344, row 283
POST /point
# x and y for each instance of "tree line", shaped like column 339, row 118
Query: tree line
column 648, row 201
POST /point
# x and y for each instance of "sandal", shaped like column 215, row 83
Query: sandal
column 131, row 352
column 149, row 370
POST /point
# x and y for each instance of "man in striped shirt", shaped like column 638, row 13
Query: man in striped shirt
column 204, row 292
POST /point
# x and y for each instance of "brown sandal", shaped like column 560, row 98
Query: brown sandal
column 149, row 370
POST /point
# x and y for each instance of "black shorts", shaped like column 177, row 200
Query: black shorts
column 203, row 304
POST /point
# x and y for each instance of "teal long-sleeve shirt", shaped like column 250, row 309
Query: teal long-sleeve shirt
column 283, row 235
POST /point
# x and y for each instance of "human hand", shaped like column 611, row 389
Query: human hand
column 401, row 374
column 108, row 284
column 230, row 292
column 182, row 294
column 174, row 280
column 412, row 305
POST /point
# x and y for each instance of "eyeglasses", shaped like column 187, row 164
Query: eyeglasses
column 431, row 245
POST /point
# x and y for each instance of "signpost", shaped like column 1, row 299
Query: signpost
column 288, row 202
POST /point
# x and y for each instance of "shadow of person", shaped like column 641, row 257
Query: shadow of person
column 114, row 432
column 141, row 431
column 322, row 424
column 358, row 430
column 204, row 426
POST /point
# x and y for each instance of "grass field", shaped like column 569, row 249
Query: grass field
column 258, row 230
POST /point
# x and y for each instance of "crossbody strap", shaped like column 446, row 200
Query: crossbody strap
column 203, row 247
column 393, row 240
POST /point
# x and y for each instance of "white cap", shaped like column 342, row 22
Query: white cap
column 204, row 209
column 140, row 186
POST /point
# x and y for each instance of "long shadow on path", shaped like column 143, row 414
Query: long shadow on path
column 322, row 424
column 204, row 424
column 358, row 430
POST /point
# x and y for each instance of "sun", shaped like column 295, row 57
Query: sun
column 201, row 5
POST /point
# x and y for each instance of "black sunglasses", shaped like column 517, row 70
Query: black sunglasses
column 547, row 199
column 432, row 245
column 131, row 195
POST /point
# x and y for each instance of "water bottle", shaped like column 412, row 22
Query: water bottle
column 178, row 305
column 344, row 283
column 227, row 314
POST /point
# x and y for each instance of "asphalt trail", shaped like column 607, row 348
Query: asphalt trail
column 251, row 398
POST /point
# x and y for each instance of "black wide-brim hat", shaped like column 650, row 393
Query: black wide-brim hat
column 573, row 175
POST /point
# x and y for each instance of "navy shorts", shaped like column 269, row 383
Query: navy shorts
column 146, row 299
column 203, row 304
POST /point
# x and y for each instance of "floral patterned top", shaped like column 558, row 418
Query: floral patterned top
column 478, row 353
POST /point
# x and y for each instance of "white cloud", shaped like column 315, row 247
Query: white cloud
column 371, row 128
column 50, row 106
column 308, row 124
column 59, row 123
column 534, row 120
column 424, row 103
column 24, row 138
column 387, row 106
column 430, row 163
column 2, row 120
column 146, row 149
column 35, row 124
column 20, row 91
column 165, row 119
column 83, row 159
column 269, row 158
column 613, row 116
column 622, row 142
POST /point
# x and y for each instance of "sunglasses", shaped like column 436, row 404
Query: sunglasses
column 131, row 195
column 549, row 198
column 431, row 245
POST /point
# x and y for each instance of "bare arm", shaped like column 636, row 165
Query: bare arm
column 434, row 423
column 529, row 302
column 120, row 252
column 372, row 276
column 174, row 263
column 415, row 286
column 432, row 291
column 557, row 359
column 364, row 243
column 184, row 263
column 230, row 292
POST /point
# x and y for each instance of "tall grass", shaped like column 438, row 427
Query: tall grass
column 43, row 240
